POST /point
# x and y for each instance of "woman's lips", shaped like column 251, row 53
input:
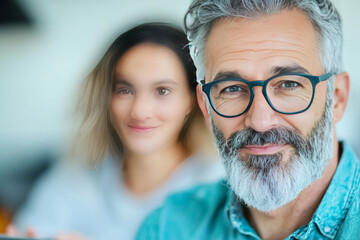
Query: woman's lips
column 266, row 149
column 141, row 129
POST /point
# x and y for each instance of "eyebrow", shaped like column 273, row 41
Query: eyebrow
column 288, row 69
column 273, row 71
column 121, row 81
column 227, row 74
column 166, row 81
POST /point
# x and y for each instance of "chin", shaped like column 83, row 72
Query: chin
column 142, row 148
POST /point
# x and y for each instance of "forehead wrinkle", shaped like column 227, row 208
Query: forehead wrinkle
column 237, row 55
column 242, row 56
column 265, row 46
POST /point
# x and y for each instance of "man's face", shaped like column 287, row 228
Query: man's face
column 256, row 50
column 252, row 49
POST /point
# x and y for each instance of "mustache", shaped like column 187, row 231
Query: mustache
column 249, row 136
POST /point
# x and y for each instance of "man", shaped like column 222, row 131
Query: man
column 272, row 89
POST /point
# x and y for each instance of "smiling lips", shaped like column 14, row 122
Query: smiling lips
column 141, row 129
column 266, row 149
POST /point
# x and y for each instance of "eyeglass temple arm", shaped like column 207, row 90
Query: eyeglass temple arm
column 326, row 76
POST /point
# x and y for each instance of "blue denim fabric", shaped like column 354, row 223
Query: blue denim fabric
column 211, row 212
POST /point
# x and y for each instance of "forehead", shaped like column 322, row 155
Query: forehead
column 252, row 47
column 148, row 55
column 146, row 63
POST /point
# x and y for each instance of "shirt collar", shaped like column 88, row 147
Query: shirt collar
column 234, row 211
column 339, row 195
column 332, row 209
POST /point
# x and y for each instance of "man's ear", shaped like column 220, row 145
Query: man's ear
column 341, row 95
column 201, row 98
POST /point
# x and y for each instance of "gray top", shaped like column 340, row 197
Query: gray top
column 96, row 203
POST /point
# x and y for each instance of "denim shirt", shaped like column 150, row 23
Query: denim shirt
column 211, row 211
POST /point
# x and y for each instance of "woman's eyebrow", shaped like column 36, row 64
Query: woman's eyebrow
column 166, row 81
column 122, row 82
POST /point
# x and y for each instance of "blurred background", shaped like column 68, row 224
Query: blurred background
column 48, row 47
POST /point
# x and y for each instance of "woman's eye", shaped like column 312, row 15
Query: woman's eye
column 163, row 91
column 123, row 91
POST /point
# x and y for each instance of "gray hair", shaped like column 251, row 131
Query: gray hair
column 202, row 14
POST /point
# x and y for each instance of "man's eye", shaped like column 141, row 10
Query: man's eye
column 232, row 89
column 163, row 91
column 289, row 84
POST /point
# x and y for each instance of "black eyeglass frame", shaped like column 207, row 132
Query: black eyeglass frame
column 206, row 87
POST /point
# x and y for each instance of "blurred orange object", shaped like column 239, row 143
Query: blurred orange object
column 5, row 219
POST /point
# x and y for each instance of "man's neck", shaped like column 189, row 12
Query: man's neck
column 280, row 223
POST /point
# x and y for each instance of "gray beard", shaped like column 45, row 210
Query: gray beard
column 266, row 182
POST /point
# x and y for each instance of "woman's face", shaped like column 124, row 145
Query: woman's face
column 150, row 99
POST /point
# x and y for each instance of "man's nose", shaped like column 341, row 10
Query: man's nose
column 141, row 108
column 261, row 117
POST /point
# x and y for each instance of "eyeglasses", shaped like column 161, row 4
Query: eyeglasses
column 286, row 93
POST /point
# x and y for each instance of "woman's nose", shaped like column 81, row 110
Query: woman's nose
column 142, row 107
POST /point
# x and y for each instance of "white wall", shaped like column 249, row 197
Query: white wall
column 40, row 67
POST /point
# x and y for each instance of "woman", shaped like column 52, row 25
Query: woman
column 139, row 113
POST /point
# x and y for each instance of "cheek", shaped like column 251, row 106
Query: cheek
column 319, row 102
column 172, row 110
column 228, row 125
column 164, row 112
column 304, row 122
column 118, row 109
